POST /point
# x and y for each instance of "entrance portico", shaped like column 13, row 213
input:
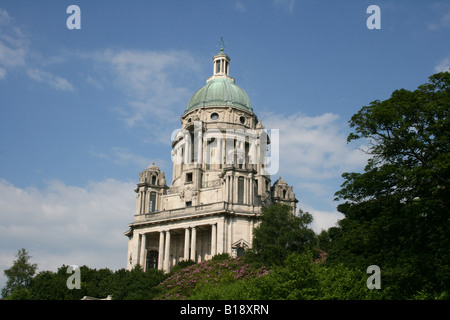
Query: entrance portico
column 163, row 248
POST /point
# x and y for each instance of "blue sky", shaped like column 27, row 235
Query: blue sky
column 82, row 112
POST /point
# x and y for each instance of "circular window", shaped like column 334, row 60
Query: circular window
column 242, row 120
column 214, row 116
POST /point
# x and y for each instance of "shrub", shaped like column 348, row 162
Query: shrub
column 181, row 284
column 301, row 278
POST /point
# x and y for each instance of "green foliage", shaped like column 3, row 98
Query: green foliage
column 182, row 265
column 121, row 284
column 280, row 233
column 19, row 275
column 221, row 257
column 137, row 284
column 185, row 283
column 396, row 212
column 338, row 282
column 300, row 278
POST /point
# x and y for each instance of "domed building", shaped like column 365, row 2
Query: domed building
column 219, row 181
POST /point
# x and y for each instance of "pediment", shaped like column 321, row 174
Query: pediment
column 241, row 243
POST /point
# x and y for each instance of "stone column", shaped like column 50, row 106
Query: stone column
column 167, row 252
column 217, row 153
column 179, row 160
column 193, row 244
column 223, row 186
column 229, row 231
column 198, row 128
column 224, row 151
column 245, row 200
column 230, row 189
column 235, row 191
column 142, row 259
column 225, row 198
column 161, row 250
column 135, row 250
column 220, row 235
column 252, row 188
column 205, row 155
column 186, row 243
column 213, row 239
column 185, row 147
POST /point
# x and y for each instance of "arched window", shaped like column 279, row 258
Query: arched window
column 284, row 194
column 153, row 180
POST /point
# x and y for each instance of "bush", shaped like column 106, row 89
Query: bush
column 121, row 284
column 245, row 289
column 183, row 284
column 221, row 257
column 181, row 265
column 301, row 278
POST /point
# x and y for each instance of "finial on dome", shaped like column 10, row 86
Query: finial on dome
column 221, row 63
column 153, row 167
column 221, row 44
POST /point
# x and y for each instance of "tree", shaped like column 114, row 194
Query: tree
column 397, row 211
column 20, row 274
column 137, row 284
column 122, row 284
column 280, row 233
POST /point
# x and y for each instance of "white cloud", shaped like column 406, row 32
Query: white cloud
column 443, row 21
column 123, row 156
column 443, row 65
column 154, row 84
column 323, row 219
column 287, row 5
column 53, row 80
column 313, row 155
column 15, row 55
column 239, row 6
column 13, row 44
column 93, row 82
column 4, row 17
column 63, row 224
column 2, row 73
column 314, row 147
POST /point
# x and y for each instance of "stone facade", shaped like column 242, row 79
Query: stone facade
column 219, row 182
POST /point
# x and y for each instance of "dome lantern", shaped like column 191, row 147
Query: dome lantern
column 220, row 88
column 221, row 64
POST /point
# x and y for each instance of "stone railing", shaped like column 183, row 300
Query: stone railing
column 211, row 208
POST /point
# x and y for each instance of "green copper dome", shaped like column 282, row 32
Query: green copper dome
column 220, row 92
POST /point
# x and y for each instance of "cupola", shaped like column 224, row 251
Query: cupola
column 220, row 88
